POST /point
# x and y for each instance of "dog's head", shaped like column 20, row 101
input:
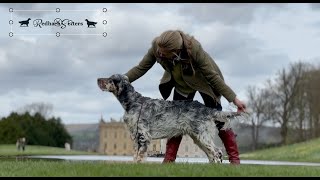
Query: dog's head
column 115, row 83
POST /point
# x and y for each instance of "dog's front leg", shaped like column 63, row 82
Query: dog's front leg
column 135, row 154
column 142, row 143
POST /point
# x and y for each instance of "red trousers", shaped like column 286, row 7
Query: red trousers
column 227, row 136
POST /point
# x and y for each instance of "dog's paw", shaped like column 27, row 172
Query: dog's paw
column 220, row 155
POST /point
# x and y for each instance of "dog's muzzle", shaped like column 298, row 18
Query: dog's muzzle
column 103, row 83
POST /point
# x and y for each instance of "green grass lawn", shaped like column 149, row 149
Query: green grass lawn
column 43, row 168
column 302, row 152
column 7, row 150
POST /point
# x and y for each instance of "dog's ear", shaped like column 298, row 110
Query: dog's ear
column 117, row 81
column 121, row 83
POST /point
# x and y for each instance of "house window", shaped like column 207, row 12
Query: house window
column 115, row 146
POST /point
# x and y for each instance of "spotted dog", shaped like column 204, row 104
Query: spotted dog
column 149, row 119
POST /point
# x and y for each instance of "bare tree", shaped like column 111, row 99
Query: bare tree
column 259, row 106
column 305, row 102
column 45, row 109
column 285, row 90
column 312, row 93
column 291, row 101
column 301, row 111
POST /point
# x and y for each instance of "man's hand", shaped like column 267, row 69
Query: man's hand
column 241, row 106
column 127, row 78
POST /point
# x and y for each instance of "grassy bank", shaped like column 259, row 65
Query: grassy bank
column 300, row 152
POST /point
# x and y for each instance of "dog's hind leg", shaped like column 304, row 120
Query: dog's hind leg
column 203, row 147
column 206, row 143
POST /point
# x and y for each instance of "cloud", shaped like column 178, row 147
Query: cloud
column 237, row 51
column 315, row 6
column 57, row 67
column 64, row 70
column 242, row 58
column 40, row 9
column 39, row 65
column 227, row 13
column 72, row 106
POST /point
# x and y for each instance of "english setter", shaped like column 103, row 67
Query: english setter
column 148, row 118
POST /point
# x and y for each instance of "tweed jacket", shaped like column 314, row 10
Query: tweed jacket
column 207, row 78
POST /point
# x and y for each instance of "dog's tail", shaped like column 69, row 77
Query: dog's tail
column 228, row 116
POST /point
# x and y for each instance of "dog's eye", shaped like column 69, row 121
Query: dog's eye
column 115, row 80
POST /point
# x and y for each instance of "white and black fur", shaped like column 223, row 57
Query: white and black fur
column 149, row 119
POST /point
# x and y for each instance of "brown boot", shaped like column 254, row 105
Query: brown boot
column 229, row 140
column 172, row 149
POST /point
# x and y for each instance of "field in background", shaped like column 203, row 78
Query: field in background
column 7, row 150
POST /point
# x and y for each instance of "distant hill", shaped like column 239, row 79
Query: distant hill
column 85, row 136
column 268, row 136
column 73, row 128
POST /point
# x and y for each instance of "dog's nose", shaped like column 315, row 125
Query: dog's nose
column 99, row 81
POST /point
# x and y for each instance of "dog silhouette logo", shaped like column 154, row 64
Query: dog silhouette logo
column 91, row 23
column 25, row 22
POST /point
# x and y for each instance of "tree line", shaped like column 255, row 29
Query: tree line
column 290, row 101
column 35, row 127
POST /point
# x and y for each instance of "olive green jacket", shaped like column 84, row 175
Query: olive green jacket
column 207, row 79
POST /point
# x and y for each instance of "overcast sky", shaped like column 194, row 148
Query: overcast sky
column 249, row 42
